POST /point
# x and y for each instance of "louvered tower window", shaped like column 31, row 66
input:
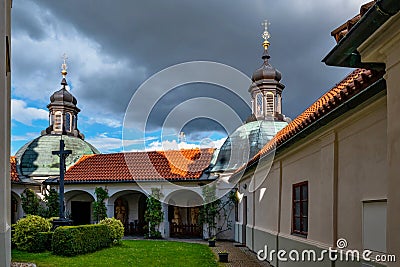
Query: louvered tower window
column 270, row 104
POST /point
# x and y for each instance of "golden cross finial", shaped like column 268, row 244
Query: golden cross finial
column 266, row 35
column 64, row 65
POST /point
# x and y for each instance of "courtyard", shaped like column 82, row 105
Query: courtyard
column 185, row 252
column 129, row 253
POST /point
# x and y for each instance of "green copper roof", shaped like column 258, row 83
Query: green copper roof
column 245, row 142
column 35, row 159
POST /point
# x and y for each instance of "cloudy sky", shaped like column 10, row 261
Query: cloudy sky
column 113, row 47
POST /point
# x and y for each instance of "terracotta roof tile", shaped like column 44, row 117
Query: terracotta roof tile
column 13, row 170
column 355, row 82
column 343, row 29
column 184, row 164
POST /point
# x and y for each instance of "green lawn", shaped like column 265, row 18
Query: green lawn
column 130, row 253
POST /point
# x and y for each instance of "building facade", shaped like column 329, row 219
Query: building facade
column 327, row 180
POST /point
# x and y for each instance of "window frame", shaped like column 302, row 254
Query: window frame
column 68, row 121
column 300, row 232
column 270, row 106
column 58, row 121
column 259, row 106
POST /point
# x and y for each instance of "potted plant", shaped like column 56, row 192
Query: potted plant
column 211, row 242
column 223, row 256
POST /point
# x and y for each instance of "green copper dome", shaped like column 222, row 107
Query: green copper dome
column 35, row 159
column 244, row 143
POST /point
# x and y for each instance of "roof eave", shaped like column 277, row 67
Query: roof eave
column 345, row 53
column 370, row 91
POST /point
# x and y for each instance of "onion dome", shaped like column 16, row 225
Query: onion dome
column 63, row 97
column 266, row 71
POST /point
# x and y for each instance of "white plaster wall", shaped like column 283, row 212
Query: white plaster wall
column 362, row 173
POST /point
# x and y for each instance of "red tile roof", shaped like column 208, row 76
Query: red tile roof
column 343, row 29
column 13, row 170
column 184, row 164
column 354, row 83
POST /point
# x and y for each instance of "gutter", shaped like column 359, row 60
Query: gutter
column 345, row 53
column 127, row 181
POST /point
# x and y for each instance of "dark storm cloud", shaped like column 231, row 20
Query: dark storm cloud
column 152, row 35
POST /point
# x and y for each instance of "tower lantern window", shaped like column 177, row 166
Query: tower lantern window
column 259, row 104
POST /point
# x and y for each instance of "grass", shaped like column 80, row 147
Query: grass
column 130, row 253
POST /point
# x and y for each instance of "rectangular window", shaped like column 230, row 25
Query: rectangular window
column 300, row 209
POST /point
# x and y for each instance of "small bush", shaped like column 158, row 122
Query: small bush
column 26, row 231
column 74, row 240
column 42, row 242
column 30, row 202
column 116, row 229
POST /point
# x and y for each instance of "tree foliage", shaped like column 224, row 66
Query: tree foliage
column 154, row 214
column 215, row 212
column 51, row 205
column 99, row 207
column 30, row 202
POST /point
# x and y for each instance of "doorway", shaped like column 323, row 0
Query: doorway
column 80, row 212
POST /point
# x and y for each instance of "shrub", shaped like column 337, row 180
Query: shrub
column 42, row 242
column 26, row 231
column 116, row 229
column 52, row 203
column 99, row 207
column 74, row 240
column 153, row 215
column 30, row 202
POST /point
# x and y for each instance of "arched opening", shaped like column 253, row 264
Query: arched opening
column 15, row 207
column 58, row 121
column 129, row 208
column 259, row 104
column 270, row 104
column 183, row 214
column 79, row 206
column 68, row 122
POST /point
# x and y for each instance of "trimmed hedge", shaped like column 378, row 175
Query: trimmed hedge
column 75, row 240
column 116, row 229
column 43, row 241
column 26, row 232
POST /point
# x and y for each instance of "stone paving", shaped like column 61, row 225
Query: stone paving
column 238, row 256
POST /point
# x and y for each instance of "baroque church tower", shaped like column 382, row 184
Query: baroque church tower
column 266, row 88
column 264, row 122
column 63, row 112
column 35, row 162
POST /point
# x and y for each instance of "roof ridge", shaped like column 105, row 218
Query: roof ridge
column 160, row 165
